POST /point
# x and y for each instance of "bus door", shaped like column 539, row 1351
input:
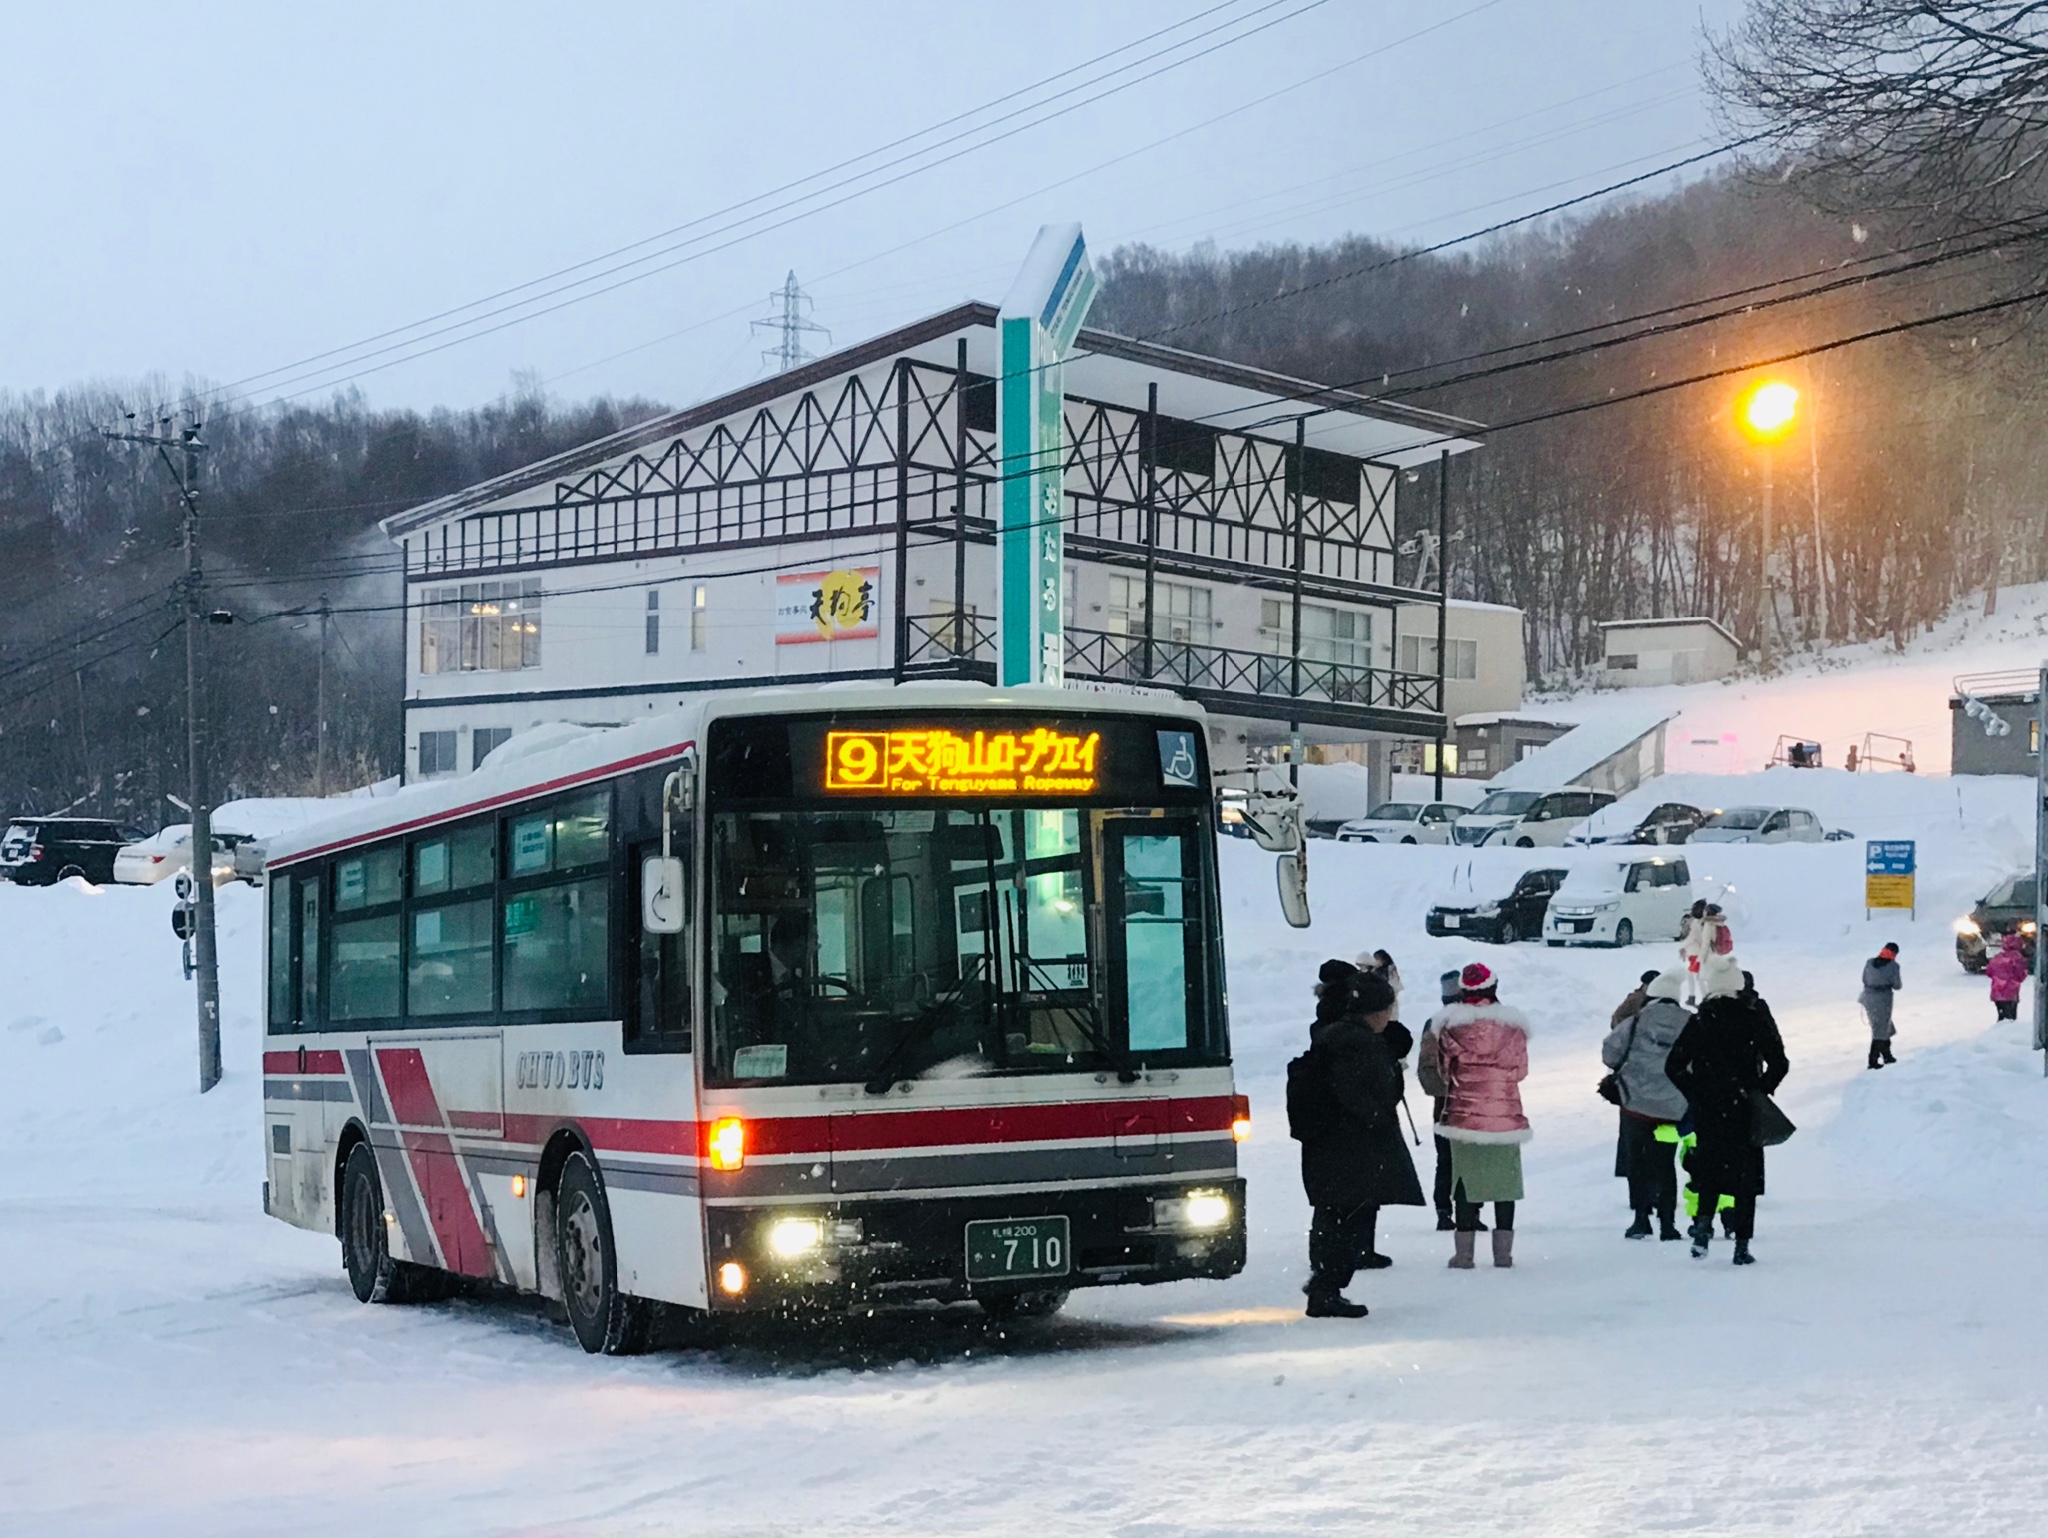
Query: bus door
column 1152, row 879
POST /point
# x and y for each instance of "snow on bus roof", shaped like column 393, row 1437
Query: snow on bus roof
column 598, row 752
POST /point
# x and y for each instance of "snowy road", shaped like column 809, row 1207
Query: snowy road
column 174, row 1363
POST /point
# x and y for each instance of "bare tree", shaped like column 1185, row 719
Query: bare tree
column 1936, row 108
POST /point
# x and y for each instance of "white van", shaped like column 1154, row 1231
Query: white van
column 1529, row 819
column 1618, row 902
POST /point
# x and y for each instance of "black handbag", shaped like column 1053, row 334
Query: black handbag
column 1768, row 1126
column 1609, row 1089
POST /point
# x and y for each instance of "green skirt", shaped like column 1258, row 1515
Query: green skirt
column 1489, row 1172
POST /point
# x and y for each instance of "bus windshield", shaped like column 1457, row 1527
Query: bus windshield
column 888, row 943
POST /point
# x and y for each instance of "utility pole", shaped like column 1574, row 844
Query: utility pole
column 185, row 468
column 320, row 706
column 1443, row 599
column 790, row 326
column 1766, row 600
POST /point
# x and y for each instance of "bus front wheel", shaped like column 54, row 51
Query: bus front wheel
column 603, row 1317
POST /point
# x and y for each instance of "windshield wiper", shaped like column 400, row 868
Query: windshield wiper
column 921, row 1026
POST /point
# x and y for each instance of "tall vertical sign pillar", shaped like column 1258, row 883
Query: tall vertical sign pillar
column 1040, row 318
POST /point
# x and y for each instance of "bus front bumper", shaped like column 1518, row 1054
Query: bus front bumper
column 914, row 1249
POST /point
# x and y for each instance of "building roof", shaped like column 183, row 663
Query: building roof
column 1662, row 624
column 1509, row 718
column 1580, row 751
column 1102, row 366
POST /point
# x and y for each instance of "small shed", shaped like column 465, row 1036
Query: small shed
column 1641, row 652
column 1617, row 752
column 1994, row 723
column 1490, row 740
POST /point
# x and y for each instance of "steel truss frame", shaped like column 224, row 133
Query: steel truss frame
column 897, row 448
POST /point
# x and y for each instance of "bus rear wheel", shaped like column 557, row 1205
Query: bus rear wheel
column 604, row 1318
column 366, row 1241
column 1024, row 1305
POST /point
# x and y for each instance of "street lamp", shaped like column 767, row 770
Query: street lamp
column 1766, row 413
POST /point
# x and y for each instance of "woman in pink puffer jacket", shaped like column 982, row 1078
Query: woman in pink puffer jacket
column 1480, row 1049
column 2008, row 970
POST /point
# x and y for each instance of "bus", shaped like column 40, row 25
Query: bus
column 779, row 1001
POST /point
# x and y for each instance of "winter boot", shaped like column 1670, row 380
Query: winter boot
column 1329, row 1303
column 1666, row 1228
column 1640, row 1228
column 1445, row 1223
column 1888, row 1050
column 1375, row 1261
column 1465, row 1241
column 1742, row 1255
column 1877, row 1054
column 1702, row 1236
column 1503, row 1248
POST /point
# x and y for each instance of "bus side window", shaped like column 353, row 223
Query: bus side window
column 660, row 1020
column 281, row 998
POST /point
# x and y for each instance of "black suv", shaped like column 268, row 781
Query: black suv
column 42, row 851
column 2007, row 909
column 1517, row 916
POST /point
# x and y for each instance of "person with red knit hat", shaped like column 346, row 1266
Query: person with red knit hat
column 1480, row 1053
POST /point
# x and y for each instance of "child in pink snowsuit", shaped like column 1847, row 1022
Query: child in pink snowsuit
column 2008, row 970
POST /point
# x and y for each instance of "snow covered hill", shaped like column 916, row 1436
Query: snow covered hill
column 175, row 1363
column 1836, row 696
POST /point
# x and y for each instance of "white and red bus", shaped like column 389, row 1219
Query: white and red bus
column 784, row 998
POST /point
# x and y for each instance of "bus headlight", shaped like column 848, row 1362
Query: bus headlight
column 726, row 1146
column 1199, row 1211
column 732, row 1278
column 790, row 1237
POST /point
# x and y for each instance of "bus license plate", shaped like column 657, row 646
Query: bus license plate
column 1003, row 1249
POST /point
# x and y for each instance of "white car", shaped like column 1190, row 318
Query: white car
column 1403, row 822
column 1528, row 819
column 1618, row 902
column 1760, row 825
column 169, row 851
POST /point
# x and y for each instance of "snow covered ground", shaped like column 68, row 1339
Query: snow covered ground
column 175, row 1363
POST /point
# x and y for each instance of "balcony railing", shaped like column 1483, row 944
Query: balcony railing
column 940, row 642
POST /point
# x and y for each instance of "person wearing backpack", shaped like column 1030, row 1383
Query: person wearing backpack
column 1343, row 1096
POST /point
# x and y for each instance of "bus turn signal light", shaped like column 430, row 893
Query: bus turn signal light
column 728, row 1143
column 1240, row 1119
column 732, row 1278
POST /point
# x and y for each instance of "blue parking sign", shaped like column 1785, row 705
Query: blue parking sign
column 1888, row 857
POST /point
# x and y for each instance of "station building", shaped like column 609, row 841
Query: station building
column 838, row 521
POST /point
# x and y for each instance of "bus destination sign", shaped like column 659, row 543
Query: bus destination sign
column 936, row 762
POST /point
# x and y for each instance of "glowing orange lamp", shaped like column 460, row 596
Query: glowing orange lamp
column 1767, row 412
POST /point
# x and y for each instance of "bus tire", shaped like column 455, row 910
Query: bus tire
column 1008, row 1306
column 366, row 1242
column 603, row 1316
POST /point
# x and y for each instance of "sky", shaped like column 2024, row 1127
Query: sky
column 219, row 192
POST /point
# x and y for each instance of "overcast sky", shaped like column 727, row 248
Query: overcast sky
column 212, row 190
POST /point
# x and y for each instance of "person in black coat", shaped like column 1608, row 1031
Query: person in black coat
column 1730, row 1048
column 1353, row 1162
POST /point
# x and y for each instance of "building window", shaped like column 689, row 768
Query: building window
column 1418, row 655
column 697, row 617
column 480, row 627
column 1327, row 634
column 483, row 740
column 1622, row 662
column 1186, row 614
column 437, row 753
column 653, row 621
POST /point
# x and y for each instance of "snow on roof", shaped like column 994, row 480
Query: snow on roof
column 1662, row 624
column 1580, row 751
column 595, row 753
column 1509, row 718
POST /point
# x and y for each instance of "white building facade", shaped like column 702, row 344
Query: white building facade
column 1639, row 653
column 1229, row 538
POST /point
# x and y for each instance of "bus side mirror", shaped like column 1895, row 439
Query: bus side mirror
column 1292, row 871
column 661, row 895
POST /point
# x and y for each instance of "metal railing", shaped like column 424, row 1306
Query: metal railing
column 939, row 639
column 1097, row 654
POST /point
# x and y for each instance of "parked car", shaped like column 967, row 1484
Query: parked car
column 2007, row 909
column 1671, row 823
column 164, row 853
column 1760, row 825
column 1528, row 818
column 41, row 851
column 1516, row 916
column 1404, row 822
column 1620, row 902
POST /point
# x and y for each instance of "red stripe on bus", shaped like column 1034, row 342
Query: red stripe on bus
column 561, row 782
column 288, row 1063
column 434, row 1166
